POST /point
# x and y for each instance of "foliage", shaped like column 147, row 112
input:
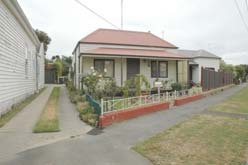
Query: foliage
column 140, row 80
column 96, row 85
column 59, row 67
column 92, row 84
column 66, row 61
column 226, row 67
column 110, row 87
column 176, row 86
column 70, row 86
column 240, row 72
column 73, row 93
column 88, row 116
column 125, row 88
column 86, row 112
column 43, row 38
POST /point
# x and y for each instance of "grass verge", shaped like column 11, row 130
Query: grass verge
column 204, row 139
column 17, row 108
column 235, row 104
column 48, row 120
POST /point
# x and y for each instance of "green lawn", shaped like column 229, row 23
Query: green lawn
column 48, row 120
column 237, row 103
column 204, row 139
column 17, row 108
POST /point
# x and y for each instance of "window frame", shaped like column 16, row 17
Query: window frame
column 158, row 69
column 96, row 59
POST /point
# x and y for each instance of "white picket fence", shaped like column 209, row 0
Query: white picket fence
column 132, row 102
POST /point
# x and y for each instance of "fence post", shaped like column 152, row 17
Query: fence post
column 101, row 106
column 175, row 94
column 167, row 96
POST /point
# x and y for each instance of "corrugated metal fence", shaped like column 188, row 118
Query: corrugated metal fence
column 211, row 79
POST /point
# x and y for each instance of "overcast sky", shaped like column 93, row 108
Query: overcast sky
column 213, row 25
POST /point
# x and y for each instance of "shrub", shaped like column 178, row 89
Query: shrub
column 176, row 86
column 87, row 109
column 70, row 86
column 110, row 88
column 88, row 116
column 81, row 106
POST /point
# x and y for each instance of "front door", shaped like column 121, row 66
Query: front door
column 133, row 67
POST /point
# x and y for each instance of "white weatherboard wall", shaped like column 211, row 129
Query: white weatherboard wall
column 204, row 62
column 17, row 60
column 41, row 67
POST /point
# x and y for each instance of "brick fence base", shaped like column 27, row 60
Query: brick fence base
column 117, row 116
column 181, row 101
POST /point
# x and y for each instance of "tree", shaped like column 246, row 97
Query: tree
column 226, row 67
column 44, row 38
column 240, row 72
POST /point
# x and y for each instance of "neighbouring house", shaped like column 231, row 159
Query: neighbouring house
column 123, row 54
column 21, row 56
column 199, row 59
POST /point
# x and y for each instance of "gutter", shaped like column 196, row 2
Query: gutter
column 126, row 56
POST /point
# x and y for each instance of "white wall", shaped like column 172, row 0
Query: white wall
column 204, row 62
column 41, row 67
column 145, row 69
column 15, row 83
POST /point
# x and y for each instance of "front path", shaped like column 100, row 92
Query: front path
column 69, row 120
column 113, row 146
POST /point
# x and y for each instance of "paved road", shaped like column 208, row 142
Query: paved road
column 113, row 145
column 17, row 135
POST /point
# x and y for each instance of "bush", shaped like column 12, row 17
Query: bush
column 87, row 114
column 176, row 86
column 80, row 106
column 87, row 109
column 70, row 86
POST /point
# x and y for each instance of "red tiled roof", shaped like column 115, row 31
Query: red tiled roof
column 123, row 37
column 133, row 52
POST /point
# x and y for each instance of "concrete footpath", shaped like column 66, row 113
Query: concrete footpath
column 112, row 146
column 16, row 136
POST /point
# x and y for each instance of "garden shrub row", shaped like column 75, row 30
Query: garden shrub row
column 86, row 112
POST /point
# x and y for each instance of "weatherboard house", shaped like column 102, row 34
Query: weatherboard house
column 21, row 56
column 123, row 54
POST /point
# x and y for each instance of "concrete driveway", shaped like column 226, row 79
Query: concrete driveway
column 16, row 136
column 112, row 146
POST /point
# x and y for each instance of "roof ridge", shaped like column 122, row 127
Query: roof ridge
column 132, row 31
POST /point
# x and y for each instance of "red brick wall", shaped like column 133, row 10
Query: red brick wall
column 188, row 99
column 121, row 115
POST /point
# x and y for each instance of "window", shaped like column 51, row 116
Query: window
column 159, row 69
column 102, row 65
